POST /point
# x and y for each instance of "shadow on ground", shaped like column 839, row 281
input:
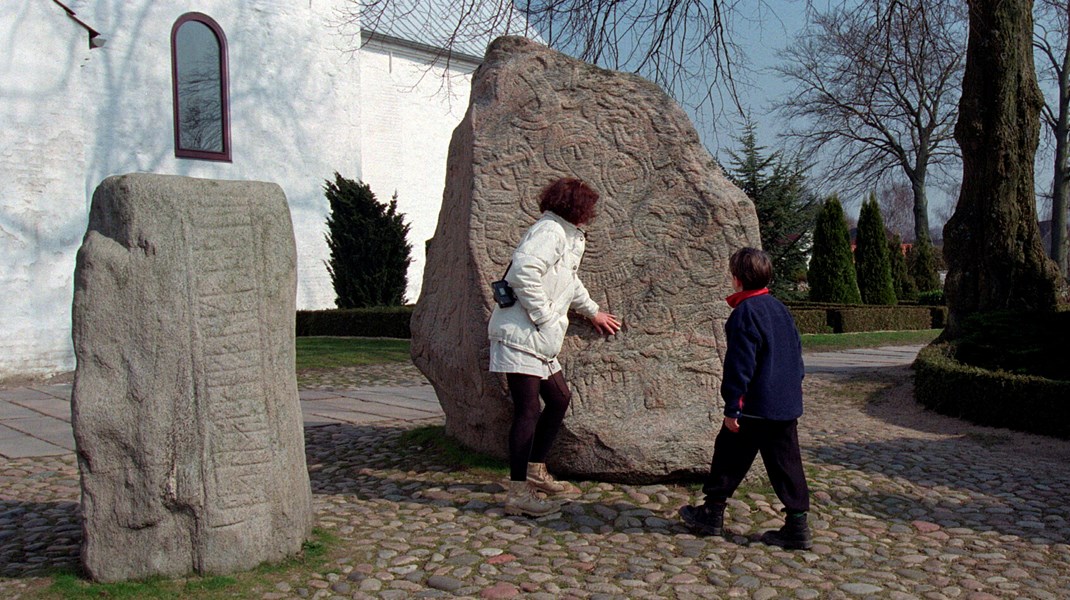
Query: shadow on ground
column 940, row 469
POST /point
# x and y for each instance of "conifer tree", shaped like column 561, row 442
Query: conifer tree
column 370, row 255
column 785, row 208
column 872, row 265
column 905, row 290
column 921, row 261
column 832, row 271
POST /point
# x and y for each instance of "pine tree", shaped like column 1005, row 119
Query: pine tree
column 832, row 271
column 872, row 265
column 921, row 261
column 785, row 208
column 370, row 255
column 905, row 290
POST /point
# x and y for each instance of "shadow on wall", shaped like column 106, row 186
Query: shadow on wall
column 280, row 104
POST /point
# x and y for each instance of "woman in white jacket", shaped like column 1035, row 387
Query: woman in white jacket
column 526, row 337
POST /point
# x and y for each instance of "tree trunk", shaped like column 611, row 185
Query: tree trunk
column 992, row 243
column 917, row 176
column 1060, row 193
column 1060, row 187
column 921, row 208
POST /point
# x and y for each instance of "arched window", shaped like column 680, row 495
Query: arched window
column 199, row 82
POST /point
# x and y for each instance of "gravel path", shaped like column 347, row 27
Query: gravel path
column 907, row 504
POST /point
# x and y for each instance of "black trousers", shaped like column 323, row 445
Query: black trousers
column 534, row 429
column 778, row 443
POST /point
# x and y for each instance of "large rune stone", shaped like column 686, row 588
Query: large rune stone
column 645, row 402
column 185, row 408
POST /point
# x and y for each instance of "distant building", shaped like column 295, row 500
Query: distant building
column 272, row 91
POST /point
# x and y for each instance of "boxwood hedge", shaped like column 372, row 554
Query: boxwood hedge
column 991, row 397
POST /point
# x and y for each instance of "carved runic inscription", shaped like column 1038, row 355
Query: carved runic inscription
column 227, row 311
column 649, row 249
column 645, row 401
column 185, row 408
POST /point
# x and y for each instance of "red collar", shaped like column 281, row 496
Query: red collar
column 738, row 297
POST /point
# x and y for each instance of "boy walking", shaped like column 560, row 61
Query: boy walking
column 762, row 392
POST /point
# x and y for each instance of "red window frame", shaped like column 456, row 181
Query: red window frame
column 180, row 152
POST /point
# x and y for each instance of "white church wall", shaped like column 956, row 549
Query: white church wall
column 409, row 114
column 83, row 115
column 294, row 107
column 42, row 199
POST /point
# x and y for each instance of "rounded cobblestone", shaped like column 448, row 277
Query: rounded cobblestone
column 906, row 504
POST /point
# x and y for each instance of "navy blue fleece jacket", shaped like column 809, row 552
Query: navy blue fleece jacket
column 763, row 366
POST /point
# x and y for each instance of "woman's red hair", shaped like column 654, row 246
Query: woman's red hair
column 569, row 198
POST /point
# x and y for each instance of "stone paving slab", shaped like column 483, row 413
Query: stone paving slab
column 25, row 395
column 36, row 419
column 50, row 406
column 48, row 429
column 846, row 361
column 17, row 444
column 10, row 410
column 56, row 390
column 363, row 412
column 428, row 403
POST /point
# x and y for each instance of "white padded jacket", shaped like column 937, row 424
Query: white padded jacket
column 545, row 278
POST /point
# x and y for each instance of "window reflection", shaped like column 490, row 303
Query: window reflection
column 200, row 92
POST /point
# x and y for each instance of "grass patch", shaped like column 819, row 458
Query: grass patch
column 432, row 440
column 67, row 585
column 334, row 352
column 867, row 339
column 71, row 587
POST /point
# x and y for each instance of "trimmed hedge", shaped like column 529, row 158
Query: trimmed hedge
column 873, row 318
column 390, row 321
column 996, row 398
column 811, row 320
column 818, row 317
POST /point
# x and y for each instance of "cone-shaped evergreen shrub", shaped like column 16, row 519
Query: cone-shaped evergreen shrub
column 921, row 261
column 872, row 265
column 832, row 272
column 786, row 209
column 370, row 255
column 905, row 290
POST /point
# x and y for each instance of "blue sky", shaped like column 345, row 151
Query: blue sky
column 761, row 30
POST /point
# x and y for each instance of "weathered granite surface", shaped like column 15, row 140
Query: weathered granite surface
column 646, row 403
column 185, row 406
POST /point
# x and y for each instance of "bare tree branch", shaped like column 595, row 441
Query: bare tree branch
column 685, row 46
column 876, row 92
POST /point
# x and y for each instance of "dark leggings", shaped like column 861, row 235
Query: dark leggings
column 534, row 430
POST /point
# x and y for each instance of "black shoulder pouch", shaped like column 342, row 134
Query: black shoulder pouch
column 503, row 293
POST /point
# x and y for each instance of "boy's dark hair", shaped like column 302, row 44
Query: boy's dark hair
column 751, row 267
column 569, row 198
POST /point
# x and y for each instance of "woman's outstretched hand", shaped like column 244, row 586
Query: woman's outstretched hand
column 606, row 323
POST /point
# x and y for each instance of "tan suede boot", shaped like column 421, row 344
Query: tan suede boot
column 542, row 480
column 520, row 499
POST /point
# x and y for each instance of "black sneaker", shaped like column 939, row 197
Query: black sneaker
column 707, row 519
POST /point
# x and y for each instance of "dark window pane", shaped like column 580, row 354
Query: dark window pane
column 198, row 70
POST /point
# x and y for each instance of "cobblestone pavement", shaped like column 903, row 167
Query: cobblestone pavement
column 907, row 504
